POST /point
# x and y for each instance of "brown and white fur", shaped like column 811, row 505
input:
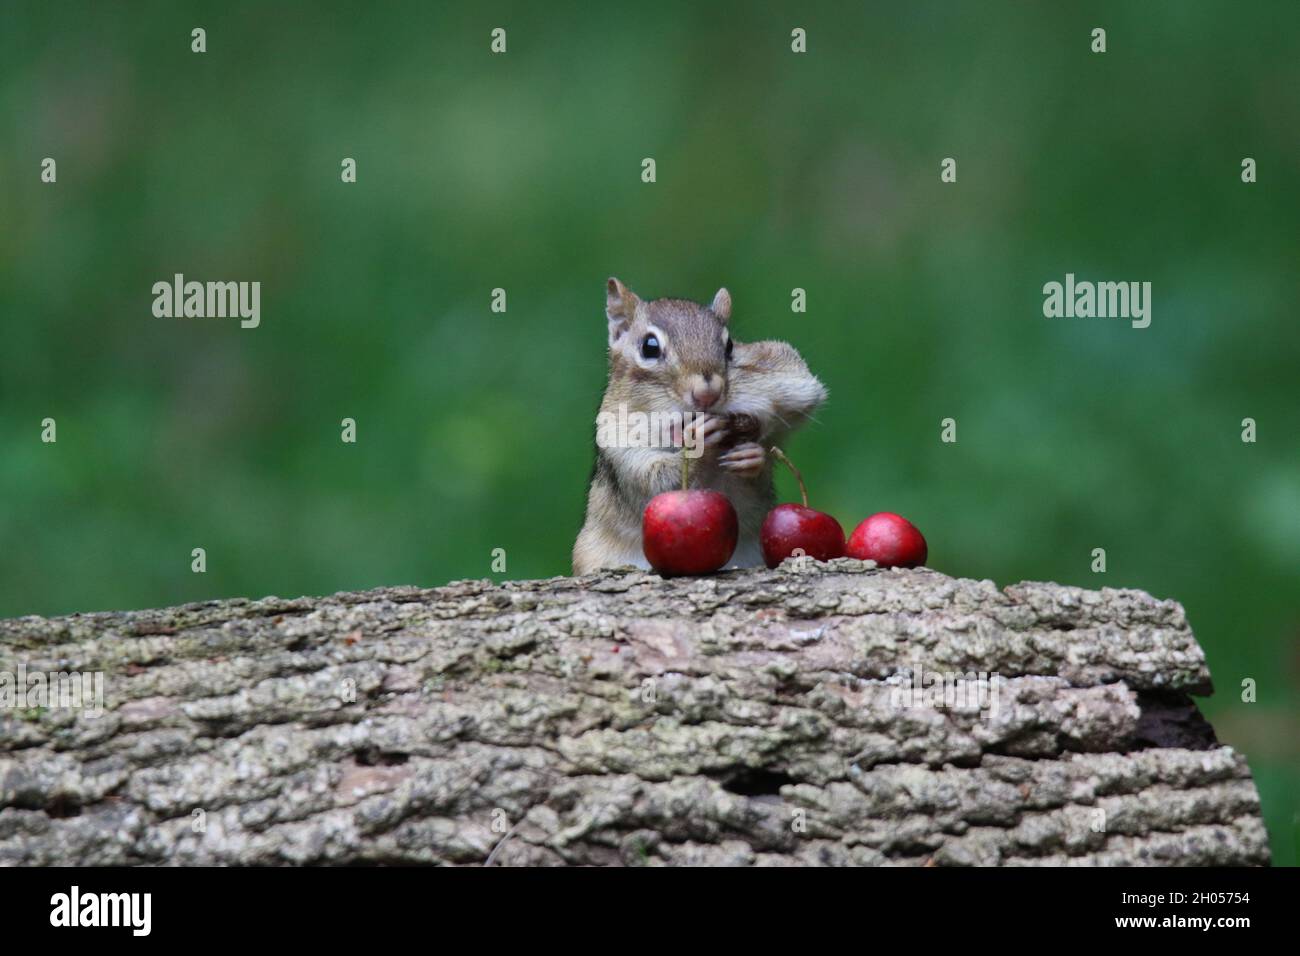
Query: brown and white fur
column 693, row 372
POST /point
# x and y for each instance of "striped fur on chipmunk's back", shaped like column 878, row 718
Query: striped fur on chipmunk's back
column 674, row 357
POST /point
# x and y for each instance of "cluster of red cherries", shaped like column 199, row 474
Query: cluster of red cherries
column 695, row 532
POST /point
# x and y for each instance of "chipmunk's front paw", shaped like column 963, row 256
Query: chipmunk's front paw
column 745, row 460
column 703, row 432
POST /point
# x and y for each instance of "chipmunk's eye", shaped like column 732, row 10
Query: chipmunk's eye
column 650, row 347
column 729, row 348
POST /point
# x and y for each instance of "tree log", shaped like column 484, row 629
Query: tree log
column 752, row 717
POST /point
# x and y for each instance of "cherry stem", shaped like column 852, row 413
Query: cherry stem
column 781, row 457
column 686, row 466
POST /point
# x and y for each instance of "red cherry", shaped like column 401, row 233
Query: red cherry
column 689, row 532
column 888, row 539
column 791, row 527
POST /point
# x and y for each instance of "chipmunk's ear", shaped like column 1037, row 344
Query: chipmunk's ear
column 620, row 307
column 721, row 305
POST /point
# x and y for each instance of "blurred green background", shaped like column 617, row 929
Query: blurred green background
column 775, row 171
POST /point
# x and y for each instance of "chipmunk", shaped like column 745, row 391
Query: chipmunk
column 672, row 357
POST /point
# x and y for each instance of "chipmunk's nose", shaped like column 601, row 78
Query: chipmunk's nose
column 705, row 391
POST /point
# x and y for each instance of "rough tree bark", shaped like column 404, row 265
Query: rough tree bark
column 746, row 718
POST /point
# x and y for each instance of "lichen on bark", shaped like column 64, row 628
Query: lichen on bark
column 752, row 717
